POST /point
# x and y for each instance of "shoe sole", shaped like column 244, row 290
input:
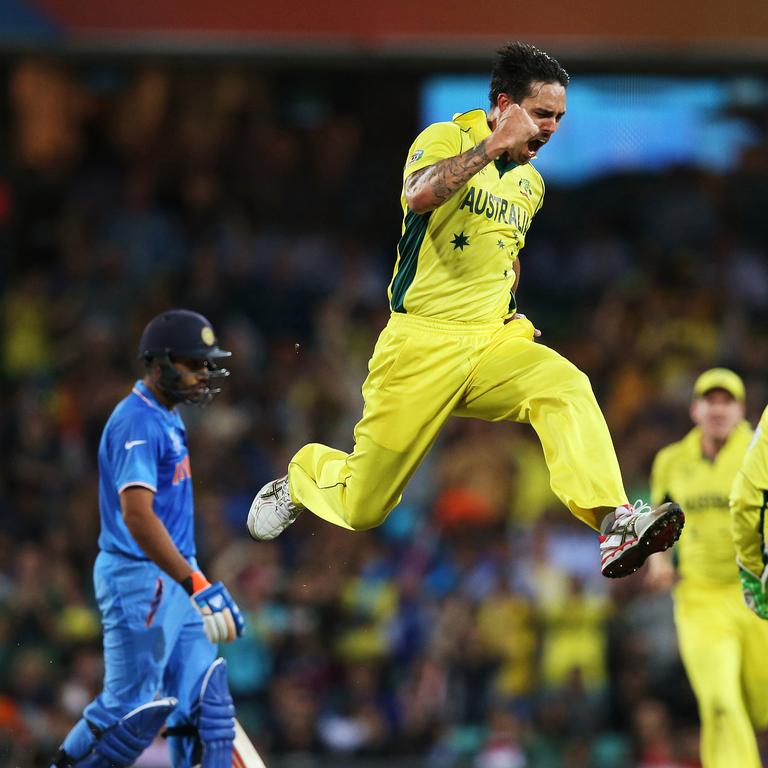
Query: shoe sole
column 660, row 535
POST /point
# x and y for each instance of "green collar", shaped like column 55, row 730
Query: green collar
column 502, row 167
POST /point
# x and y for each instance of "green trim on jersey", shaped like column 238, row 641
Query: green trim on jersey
column 408, row 248
column 503, row 167
column 761, row 525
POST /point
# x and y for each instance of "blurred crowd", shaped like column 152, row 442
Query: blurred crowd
column 473, row 628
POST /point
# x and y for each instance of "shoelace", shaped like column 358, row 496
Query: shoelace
column 624, row 524
column 283, row 497
column 638, row 508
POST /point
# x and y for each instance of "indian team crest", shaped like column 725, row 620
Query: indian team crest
column 525, row 188
column 207, row 335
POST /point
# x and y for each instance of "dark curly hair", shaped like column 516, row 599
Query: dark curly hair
column 517, row 66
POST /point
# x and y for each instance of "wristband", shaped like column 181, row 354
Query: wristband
column 195, row 582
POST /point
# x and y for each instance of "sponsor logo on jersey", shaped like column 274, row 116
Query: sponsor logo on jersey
column 706, row 501
column 417, row 155
column 183, row 471
column 133, row 443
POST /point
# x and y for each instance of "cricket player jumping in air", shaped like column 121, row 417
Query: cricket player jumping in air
column 455, row 345
column 162, row 618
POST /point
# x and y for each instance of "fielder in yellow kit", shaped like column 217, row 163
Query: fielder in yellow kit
column 454, row 344
column 724, row 647
column 749, row 502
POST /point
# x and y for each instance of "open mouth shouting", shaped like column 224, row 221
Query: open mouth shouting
column 534, row 145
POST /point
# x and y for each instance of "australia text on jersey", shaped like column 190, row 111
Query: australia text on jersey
column 480, row 201
column 709, row 501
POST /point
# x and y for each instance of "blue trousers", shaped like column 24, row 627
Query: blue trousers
column 154, row 643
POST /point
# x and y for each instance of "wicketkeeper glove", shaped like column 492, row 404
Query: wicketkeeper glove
column 222, row 620
column 754, row 588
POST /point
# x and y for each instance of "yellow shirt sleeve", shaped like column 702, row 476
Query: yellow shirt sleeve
column 435, row 142
column 749, row 500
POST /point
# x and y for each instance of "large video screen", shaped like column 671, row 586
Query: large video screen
column 627, row 123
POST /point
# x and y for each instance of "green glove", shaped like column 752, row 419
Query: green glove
column 754, row 588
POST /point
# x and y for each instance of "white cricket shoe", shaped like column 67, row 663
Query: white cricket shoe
column 272, row 510
column 636, row 532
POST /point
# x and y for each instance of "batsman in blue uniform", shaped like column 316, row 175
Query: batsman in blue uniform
column 162, row 618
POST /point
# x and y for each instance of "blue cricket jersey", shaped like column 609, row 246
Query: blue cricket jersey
column 145, row 444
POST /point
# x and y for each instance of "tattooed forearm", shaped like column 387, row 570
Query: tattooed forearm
column 433, row 185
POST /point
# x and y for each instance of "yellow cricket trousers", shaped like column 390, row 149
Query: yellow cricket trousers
column 422, row 371
column 724, row 648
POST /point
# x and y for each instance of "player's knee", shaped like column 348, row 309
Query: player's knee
column 573, row 385
column 366, row 523
column 365, row 514
column 207, row 741
column 216, row 722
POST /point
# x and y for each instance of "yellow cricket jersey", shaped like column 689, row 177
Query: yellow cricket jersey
column 749, row 501
column 456, row 262
column 705, row 552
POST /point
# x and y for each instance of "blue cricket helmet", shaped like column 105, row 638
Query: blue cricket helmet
column 181, row 335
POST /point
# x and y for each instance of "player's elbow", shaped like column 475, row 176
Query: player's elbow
column 421, row 201
column 135, row 521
